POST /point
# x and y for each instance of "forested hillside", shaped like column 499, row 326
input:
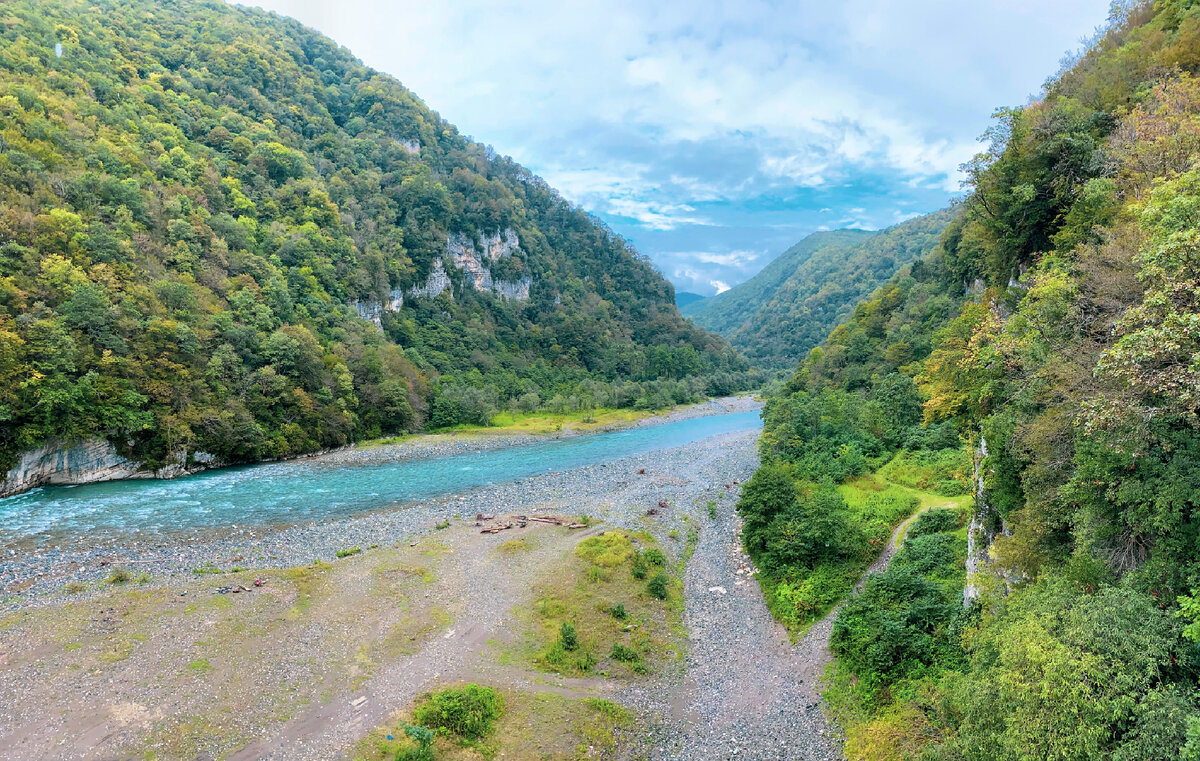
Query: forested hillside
column 791, row 305
column 220, row 232
column 1053, row 335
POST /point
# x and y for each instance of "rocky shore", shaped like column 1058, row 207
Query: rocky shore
column 32, row 572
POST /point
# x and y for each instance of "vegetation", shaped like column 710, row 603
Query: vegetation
column 789, row 307
column 534, row 725
column 596, row 616
column 1053, row 330
column 197, row 203
column 469, row 712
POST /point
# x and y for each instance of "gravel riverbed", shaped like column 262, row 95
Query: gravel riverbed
column 742, row 692
column 32, row 571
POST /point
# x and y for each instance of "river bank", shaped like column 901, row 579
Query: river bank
column 53, row 564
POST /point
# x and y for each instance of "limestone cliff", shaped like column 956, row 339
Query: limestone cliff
column 84, row 462
column 471, row 257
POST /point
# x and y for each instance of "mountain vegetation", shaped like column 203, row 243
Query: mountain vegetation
column 220, row 232
column 789, row 307
column 1054, row 333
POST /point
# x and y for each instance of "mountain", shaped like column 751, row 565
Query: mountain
column 789, row 307
column 220, row 233
column 684, row 298
column 1036, row 378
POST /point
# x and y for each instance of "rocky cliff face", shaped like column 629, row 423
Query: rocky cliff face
column 61, row 463
column 985, row 526
column 83, row 462
column 471, row 257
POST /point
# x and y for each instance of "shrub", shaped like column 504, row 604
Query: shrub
column 618, row 611
column 568, row 637
column 655, row 556
column 933, row 522
column 423, row 737
column 657, row 586
column 896, row 628
column 119, row 576
column 468, row 711
column 624, row 654
column 640, row 568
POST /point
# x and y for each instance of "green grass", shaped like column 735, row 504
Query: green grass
column 348, row 552
column 534, row 725
column 876, row 507
column 594, row 603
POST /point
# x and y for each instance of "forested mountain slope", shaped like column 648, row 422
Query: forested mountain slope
column 790, row 307
column 1054, row 334
column 220, row 232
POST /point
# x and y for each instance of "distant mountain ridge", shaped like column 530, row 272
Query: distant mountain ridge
column 684, row 298
column 789, row 307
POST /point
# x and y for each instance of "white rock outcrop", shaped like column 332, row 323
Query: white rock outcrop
column 59, row 462
column 470, row 256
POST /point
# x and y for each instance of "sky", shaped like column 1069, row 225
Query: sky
column 714, row 135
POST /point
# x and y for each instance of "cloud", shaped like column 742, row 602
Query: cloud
column 710, row 126
column 720, row 286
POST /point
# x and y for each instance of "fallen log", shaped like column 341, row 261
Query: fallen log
column 496, row 529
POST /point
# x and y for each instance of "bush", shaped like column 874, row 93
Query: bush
column 568, row 637
column 624, row 654
column 618, row 611
column 640, row 568
column 658, row 584
column 423, row 737
column 469, row 711
column 655, row 556
column 933, row 522
column 809, row 532
column 897, row 627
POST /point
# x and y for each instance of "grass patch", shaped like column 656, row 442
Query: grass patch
column 348, row 552
column 199, row 666
column 534, row 725
column 119, row 576
column 595, row 608
column 513, row 547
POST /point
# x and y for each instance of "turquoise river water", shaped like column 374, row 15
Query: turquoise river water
column 304, row 490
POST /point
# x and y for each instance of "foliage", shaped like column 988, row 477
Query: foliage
column 659, row 585
column 469, row 711
column 789, row 307
column 183, row 273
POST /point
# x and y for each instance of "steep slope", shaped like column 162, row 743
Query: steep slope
column 726, row 312
column 1052, row 336
column 221, row 233
column 777, row 316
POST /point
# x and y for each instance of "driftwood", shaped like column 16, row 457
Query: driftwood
column 496, row 529
column 482, row 517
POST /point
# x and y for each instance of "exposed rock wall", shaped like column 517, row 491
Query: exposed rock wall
column 57, row 462
column 982, row 532
column 471, row 257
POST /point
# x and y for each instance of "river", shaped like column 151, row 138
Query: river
column 291, row 492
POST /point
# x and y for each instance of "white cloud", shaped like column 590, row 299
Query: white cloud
column 720, row 286
column 675, row 115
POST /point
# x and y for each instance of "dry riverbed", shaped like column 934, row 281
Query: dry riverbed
column 324, row 660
